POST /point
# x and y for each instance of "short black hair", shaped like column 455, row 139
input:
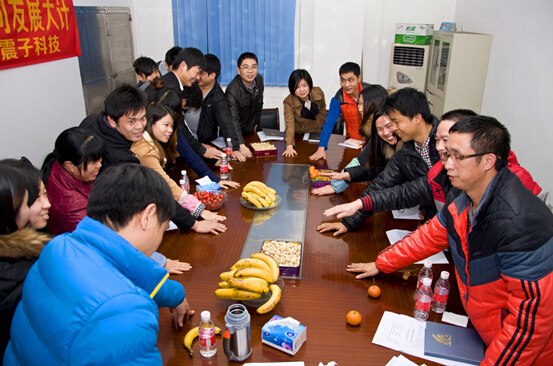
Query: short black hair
column 212, row 65
column 295, row 77
column 32, row 176
column 171, row 55
column 246, row 55
column 76, row 145
column 408, row 102
column 488, row 136
column 12, row 192
column 350, row 67
column 125, row 100
column 458, row 114
column 144, row 66
column 191, row 56
column 123, row 191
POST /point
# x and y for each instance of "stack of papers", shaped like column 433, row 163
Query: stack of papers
column 406, row 334
column 312, row 136
column 352, row 144
column 219, row 142
column 264, row 137
column 407, row 213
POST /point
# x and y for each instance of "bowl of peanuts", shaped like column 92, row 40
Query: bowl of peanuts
column 287, row 254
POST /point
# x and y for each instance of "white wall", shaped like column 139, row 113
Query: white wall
column 519, row 81
column 40, row 101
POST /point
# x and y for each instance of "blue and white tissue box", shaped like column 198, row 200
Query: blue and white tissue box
column 287, row 336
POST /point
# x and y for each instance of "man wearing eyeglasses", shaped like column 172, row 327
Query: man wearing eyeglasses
column 245, row 99
column 501, row 238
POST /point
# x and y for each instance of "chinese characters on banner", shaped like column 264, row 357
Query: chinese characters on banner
column 37, row 31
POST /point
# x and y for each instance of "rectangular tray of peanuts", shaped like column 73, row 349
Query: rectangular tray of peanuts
column 287, row 254
column 261, row 149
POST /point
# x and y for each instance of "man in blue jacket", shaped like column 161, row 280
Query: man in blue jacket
column 93, row 295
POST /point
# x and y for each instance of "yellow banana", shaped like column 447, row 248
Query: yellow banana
column 233, row 268
column 263, row 201
column 254, row 272
column 261, row 281
column 262, row 186
column 253, row 262
column 271, row 190
column 271, row 196
column 252, row 198
column 272, row 302
column 224, row 284
column 236, row 294
column 226, row 275
column 255, row 190
column 248, row 285
column 191, row 335
column 275, row 270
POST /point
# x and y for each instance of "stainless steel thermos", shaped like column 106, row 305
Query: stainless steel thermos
column 237, row 342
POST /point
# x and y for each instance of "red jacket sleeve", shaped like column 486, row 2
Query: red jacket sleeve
column 427, row 240
column 527, row 327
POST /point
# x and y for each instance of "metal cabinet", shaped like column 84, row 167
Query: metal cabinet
column 107, row 52
column 458, row 68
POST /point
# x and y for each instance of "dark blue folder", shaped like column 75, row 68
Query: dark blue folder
column 453, row 343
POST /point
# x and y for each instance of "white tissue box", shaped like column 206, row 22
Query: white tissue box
column 283, row 338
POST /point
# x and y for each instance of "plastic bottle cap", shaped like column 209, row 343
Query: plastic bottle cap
column 445, row 275
column 425, row 282
column 228, row 139
column 183, row 172
column 428, row 264
column 223, row 155
column 206, row 316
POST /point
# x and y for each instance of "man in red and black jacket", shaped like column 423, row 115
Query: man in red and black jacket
column 501, row 239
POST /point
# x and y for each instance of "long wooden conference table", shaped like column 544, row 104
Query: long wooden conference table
column 325, row 293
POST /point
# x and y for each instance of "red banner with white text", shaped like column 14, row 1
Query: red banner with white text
column 37, row 31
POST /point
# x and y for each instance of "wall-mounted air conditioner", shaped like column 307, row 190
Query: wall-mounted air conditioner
column 409, row 66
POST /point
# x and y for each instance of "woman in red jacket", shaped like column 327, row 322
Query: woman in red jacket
column 68, row 173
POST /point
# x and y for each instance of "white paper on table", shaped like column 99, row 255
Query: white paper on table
column 396, row 235
column 172, row 226
column 352, row 143
column 455, row 319
column 401, row 361
column 407, row 213
column 297, row 363
column 348, row 145
column 264, row 137
column 219, row 142
column 406, row 334
column 204, row 180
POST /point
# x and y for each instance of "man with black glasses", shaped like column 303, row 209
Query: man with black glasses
column 500, row 235
column 245, row 99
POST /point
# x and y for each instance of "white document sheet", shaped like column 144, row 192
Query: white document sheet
column 352, row 144
column 455, row 319
column 264, row 137
column 219, row 142
column 396, row 235
column 407, row 213
column 400, row 361
column 406, row 334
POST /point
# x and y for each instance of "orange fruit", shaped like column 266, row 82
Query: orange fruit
column 374, row 290
column 311, row 169
column 353, row 318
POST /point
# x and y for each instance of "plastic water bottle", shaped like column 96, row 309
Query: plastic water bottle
column 426, row 272
column 228, row 148
column 208, row 342
column 423, row 301
column 184, row 182
column 441, row 292
column 223, row 167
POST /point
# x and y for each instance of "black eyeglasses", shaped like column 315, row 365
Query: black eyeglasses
column 458, row 157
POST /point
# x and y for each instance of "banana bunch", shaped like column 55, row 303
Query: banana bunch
column 191, row 335
column 251, row 278
column 259, row 194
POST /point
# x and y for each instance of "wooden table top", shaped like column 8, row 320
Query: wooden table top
column 324, row 295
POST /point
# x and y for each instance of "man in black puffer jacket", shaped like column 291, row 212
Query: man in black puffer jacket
column 245, row 99
column 416, row 127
